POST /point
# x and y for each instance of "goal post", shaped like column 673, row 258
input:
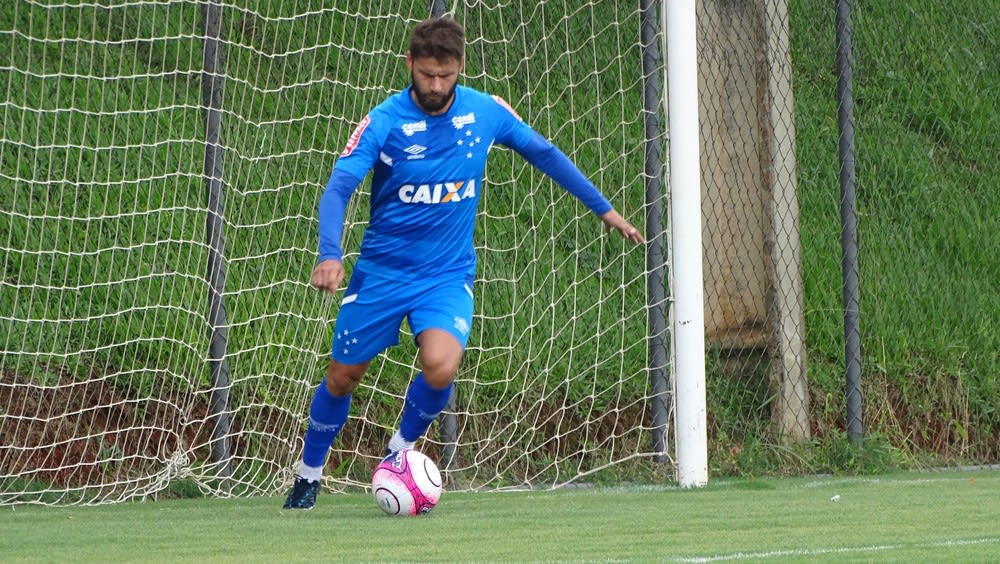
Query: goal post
column 686, row 229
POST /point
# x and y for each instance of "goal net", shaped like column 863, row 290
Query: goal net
column 106, row 392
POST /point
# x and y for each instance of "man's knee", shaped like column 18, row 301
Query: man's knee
column 440, row 357
column 341, row 379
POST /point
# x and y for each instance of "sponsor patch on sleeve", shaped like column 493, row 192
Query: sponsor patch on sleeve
column 508, row 107
column 355, row 138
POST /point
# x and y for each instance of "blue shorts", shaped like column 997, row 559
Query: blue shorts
column 374, row 307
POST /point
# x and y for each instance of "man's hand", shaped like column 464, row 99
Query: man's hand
column 327, row 276
column 614, row 220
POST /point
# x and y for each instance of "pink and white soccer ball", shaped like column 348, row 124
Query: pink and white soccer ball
column 406, row 483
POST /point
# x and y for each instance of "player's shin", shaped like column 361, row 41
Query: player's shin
column 327, row 415
column 423, row 404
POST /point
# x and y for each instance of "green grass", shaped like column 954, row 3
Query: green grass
column 926, row 83
column 914, row 517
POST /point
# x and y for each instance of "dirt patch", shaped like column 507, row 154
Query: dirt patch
column 76, row 433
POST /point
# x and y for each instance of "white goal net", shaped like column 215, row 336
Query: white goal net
column 105, row 332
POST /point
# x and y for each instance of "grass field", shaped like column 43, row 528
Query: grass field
column 913, row 517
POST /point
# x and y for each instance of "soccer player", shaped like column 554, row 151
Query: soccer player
column 428, row 147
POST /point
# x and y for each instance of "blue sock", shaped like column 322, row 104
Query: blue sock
column 423, row 404
column 327, row 416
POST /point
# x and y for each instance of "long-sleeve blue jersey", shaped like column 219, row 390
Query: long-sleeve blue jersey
column 426, row 181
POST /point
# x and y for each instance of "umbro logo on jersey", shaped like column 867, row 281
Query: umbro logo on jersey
column 415, row 152
column 410, row 128
column 439, row 193
column 461, row 121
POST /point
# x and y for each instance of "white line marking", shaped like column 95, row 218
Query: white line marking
column 843, row 550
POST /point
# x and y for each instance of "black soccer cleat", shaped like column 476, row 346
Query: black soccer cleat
column 303, row 494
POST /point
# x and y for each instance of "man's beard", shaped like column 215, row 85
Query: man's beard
column 432, row 103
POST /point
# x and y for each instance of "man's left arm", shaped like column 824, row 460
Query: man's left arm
column 546, row 157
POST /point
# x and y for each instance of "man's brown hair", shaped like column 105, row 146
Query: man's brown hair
column 442, row 38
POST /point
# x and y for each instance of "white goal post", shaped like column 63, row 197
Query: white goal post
column 686, row 271
column 158, row 190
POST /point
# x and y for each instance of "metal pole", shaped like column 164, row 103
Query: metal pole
column 211, row 92
column 849, row 225
column 656, row 303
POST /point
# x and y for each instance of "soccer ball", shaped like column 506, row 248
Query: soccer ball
column 406, row 483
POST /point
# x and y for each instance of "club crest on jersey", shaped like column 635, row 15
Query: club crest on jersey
column 355, row 138
column 439, row 193
column 410, row 128
column 461, row 121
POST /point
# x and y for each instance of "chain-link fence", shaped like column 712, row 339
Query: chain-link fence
column 923, row 163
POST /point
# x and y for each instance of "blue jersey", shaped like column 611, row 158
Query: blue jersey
column 427, row 176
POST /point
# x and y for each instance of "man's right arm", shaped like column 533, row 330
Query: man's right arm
column 353, row 164
column 331, row 213
column 329, row 271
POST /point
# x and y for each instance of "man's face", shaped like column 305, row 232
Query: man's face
column 433, row 82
